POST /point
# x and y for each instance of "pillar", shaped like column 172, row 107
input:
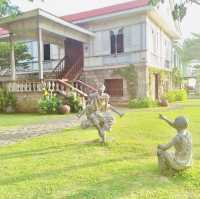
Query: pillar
column 40, row 54
column 12, row 57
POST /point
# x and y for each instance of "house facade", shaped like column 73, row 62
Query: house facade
column 93, row 46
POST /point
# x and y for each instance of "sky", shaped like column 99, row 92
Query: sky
column 190, row 23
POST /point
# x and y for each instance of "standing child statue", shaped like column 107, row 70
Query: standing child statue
column 170, row 163
column 97, row 112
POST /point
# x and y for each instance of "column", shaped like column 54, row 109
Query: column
column 12, row 57
column 40, row 54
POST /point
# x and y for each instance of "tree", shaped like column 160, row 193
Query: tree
column 177, row 77
column 190, row 49
column 7, row 8
column 180, row 9
column 21, row 54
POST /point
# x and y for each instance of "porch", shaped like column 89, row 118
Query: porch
column 46, row 31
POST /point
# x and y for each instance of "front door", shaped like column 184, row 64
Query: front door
column 114, row 87
column 73, row 51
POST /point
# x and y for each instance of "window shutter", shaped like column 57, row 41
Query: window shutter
column 35, row 50
column 106, row 48
column 54, row 51
column 127, row 39
column 136, row 37
column 112, row 42
column 120, row 42
column 98, row 44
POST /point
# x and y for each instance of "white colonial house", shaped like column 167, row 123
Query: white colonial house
column 91, row 46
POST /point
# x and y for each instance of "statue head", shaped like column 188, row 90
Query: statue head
column 101, row 88
column 180, row 123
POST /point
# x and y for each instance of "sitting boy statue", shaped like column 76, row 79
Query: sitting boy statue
column 170, row 163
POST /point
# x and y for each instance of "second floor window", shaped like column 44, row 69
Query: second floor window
column 117, row 42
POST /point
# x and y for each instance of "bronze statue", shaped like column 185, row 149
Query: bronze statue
column 97, row 112
column 170, row 163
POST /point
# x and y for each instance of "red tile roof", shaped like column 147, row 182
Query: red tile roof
column 3, row 31
column 106, row 10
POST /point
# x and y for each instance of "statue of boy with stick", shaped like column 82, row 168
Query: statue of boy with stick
column 97, row 112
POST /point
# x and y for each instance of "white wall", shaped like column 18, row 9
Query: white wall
column 159, row 46
column 98, row 50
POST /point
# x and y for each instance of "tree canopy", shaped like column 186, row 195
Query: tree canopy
column 21, row 54
column 7, row 8
column 180, row 9
column 190, row 49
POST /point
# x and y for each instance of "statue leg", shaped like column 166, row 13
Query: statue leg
column 97, row 123
column 162, row 163
column 102, row 135
column 164, row 160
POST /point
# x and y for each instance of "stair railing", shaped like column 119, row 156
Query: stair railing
column 61, row 67
column 75, row 71
column 84, row 87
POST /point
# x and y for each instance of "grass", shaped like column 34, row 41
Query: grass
column 17, row 120
column 74, row 165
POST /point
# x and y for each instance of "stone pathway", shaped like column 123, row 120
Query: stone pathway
column 10, row 136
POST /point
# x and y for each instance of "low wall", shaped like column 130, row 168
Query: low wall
column 27, row 102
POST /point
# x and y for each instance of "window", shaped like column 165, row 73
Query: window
column 120, row 41
column 112, row 40
column 114, row 87
column 117, row 42
column 47, row 54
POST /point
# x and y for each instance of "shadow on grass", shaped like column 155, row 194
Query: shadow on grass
column 55, row 173
column 51, row 150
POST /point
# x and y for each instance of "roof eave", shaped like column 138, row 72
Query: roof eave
column 4, row 21
column 121, row 13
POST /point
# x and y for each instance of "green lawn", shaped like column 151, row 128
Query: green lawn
column 74, row 165
column 17, row 120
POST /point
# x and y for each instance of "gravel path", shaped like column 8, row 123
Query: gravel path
column 10, row 136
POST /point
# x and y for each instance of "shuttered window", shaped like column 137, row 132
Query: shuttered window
column 114, row 87
column 117, row 42
column 112, row 42
column 120, row 41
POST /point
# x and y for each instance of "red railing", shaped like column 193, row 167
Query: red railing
column 64, row 71
column 62, row 67
column 74, row 71
column 84, row 87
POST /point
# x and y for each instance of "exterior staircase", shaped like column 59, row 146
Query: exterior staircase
column 69, row 72
column 69, row 76
column 65, row 79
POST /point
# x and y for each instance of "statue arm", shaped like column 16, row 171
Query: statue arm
column 79, row 115
column 166, row 120
column 168, row 145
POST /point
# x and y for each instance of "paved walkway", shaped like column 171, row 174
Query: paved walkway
column 10, row 136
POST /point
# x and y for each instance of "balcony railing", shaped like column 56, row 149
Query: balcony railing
column 33, row 66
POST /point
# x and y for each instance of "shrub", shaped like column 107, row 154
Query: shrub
column 181, row 95
column 74, row 102
column 49, row 103
column 7, row 100
column 176, row 95
column 142, row 103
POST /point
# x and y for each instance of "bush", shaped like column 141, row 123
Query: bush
column 176, row 95
column 142, row 103
column 7, row 100
column 74, row 102
column 49, row 103
column 181, row 95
